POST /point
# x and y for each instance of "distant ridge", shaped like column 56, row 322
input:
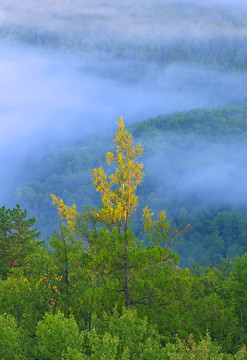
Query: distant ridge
column 214, row 122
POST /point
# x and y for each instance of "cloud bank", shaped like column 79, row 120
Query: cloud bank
column 62, row 93
column 208, row 174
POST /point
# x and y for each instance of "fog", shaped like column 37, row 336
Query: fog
column 60, row 91
column 48, row 95
column 208, row 174
column 129, row 20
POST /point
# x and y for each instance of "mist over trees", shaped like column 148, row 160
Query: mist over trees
column 109, row 279
column 98, row 292
column 91, row 62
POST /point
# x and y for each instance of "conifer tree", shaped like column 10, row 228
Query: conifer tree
column 115, row 258
column 119, row 199
column 17, row 238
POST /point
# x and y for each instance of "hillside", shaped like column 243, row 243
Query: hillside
column 95, row 291
column 194, row 165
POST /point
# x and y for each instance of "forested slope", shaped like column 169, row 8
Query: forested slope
column 96, row 291
column 195, row 169
column 212, row 123
column 150, row 263
column 210, row 35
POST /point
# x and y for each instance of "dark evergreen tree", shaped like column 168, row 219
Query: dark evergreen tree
column 17, row 238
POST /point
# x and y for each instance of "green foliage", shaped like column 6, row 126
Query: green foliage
column 158, row 231
column 217, row 232
column 213, row 123
column 58, row 338
column 124, row 336
column 104, row 347
column 119, row 202
column 205, row 349
column 96, row 264
column 235, row 290
column 10, row 339
column 17, row 238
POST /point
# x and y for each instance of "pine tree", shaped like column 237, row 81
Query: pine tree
column 17, row 239
column 113, row 256
column 119, row 199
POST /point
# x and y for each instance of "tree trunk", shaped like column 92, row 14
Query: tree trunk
column 127, row 276
column 66, row 262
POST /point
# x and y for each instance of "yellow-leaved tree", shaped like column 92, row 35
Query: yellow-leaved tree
column 117, row 258
column 119, row 199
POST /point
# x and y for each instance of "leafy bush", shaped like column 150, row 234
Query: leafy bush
column 10, row 338
column 58, row 338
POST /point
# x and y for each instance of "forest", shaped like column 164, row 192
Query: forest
column 125, row 241
column 96, row 291
column 182, row 175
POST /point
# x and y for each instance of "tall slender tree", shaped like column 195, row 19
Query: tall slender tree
column 119, row 199
column 115, row 258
